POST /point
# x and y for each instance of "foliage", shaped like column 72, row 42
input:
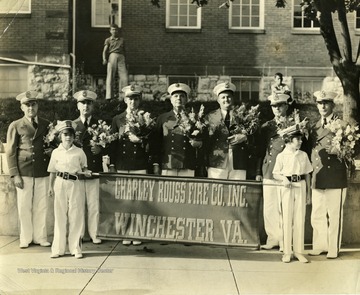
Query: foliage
column 101, row 134
column 345, row 139
column 193, row 124
column 106, row 110
column 139, row 123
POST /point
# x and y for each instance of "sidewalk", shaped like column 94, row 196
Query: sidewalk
column 167, row 269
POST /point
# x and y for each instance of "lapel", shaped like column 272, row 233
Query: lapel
column 42, row 127
column 120, row 122
column 26, row 124
column 320, row 131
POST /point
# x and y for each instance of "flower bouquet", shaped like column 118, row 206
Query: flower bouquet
column 51, row 139
column 344, row 141
column 193, row 124
column 245, row 121
column 138, row 124
column 101, row 134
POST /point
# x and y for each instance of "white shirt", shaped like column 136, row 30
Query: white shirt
column 328, row 119
column 289, row 162
column 71, row 160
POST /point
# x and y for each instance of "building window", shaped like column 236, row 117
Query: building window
column 247, row 89
column 15, row 6
column 13, row 80
column 246, row 14
column 105, row 13
column 304, row 87
column 357, row 19
column 182, row 14
column 300, row 21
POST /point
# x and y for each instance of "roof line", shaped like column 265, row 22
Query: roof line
column 34, row 63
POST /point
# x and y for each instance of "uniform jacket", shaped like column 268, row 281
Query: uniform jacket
column 125, row 154
column 25, row 148
column 329, row 171
column 270, row 145
column 94, row 161
column 170, row 147
column 217, row 147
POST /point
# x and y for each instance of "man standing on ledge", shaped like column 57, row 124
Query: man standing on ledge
column 329, row 182
column 114, row 57
column 28, row 161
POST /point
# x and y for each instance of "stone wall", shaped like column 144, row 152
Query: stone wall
column 52, row 83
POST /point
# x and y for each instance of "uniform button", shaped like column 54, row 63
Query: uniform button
column 282, row 145
column 172, row 148
column 270, row 154
column 242, row 148
column 183, row 148
column 317, row 167
column 33, row 153
column 328, row 158
column 328, row 166
column 33, row 160
column 269, row 161
column 271, row 146
column 124, row 153
column 134, row 152
column 172, row 141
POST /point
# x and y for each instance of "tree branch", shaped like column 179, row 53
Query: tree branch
column 328, row 32
column 344, row 31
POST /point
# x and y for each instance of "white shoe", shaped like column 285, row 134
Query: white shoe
column 23, row 245
column 45, row 244
column 316, row 252
column 78, row 255
column 268, row 246
column 286, row 258
column 96, row 241
column 54, row 256
column 126, row 242
column 136, row 243
column 301, row 258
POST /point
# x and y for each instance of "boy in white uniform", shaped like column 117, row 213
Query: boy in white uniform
column 69, row 203
column 293, row 169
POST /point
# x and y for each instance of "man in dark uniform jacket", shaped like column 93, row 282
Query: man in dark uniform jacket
column 129, row 153
column 28, row 160
column 171, row 148
column 329, row 182
column 85, row 104
column 227, row 153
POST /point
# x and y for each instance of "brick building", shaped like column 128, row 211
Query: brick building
column 246, row 43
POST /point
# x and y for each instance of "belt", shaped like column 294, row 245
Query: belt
column 296, row 178
column 66, row 175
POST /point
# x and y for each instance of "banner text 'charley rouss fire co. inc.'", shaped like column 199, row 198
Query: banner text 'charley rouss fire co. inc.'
column 187, row 210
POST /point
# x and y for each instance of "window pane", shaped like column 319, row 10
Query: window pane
column 236, row 21
column 183, row 13
column 245, row 22
column 255, row 10
column 246, row 10
column 245, row 2
column 15, row 6
column 255, row 22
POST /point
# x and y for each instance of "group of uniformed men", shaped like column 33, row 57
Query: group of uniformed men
column 225, row 155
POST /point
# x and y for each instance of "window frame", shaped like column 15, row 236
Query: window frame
column 27, row 9
column 302, row 29
column 261, row 18
column 357, row 29
column 239, row 79
column 93, row 14
column 198, row 18
column 306, row 79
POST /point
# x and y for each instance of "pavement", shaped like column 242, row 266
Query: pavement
column 173, row 269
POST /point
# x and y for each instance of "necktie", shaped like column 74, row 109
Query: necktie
column 324, row 122
column 227, row 120
column 86, row 124
column 34, row 123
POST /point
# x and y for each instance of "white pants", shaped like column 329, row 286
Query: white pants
column 229, row 172
column 178, row 172
column 91, row 189
column 271, row 207
column 116, row 63
column 293, row 209
column 32, row 202
column 327, row 219
column 69, row 206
